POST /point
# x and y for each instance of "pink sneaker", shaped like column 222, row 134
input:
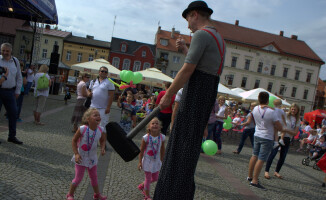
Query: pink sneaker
column 141, row 188
column 70, row 197
column 99, row 197
column 147, row 198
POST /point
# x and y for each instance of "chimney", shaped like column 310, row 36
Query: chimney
column 281, row 33
column 90, row 37
column 295, row 37
column 172, row 33
column 237, row 22
column 159, row 29
column 47, row 27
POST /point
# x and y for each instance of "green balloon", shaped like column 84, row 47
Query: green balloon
column 129, row 75
column 228, row 120
column 271, row 101
column 227, row 125
column 122, row 74
column 156, row 93
column 209, row 147
column 138, row 77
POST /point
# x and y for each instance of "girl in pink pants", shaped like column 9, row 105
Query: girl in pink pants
column 152, row 151
column 84, row 145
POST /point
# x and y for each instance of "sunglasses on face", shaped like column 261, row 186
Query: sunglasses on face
column 103, row 71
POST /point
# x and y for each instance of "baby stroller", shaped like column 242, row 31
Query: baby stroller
column 306, row 161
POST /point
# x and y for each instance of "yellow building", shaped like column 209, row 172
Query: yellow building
column 79, row 49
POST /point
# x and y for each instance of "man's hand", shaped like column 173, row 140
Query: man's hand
column 17, row 95
column 107, row 110
column 181, row 45
column 165, row 102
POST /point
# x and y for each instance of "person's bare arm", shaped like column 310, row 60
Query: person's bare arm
column 174, row 113
column 179, row 81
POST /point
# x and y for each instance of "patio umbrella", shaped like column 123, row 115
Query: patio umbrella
column 224, row 90
column 154, row 77
column 94, row 66
column 252, row 95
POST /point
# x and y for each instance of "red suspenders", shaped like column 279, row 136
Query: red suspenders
column 219, row 48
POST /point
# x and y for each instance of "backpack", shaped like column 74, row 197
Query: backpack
column 43, row 83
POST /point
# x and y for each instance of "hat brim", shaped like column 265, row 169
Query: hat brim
column 186, row 11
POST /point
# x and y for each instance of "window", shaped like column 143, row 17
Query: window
column 90, row 57
column 285, row 72
column 270, row 86
column 176, row 59
column 79, row 57
column 116, row 62
column 273, row 70
column 305, row 94
column 76, row 73
column 46, row 41
column 230, row 79
column 282, row 89
column 164, row 56
column 126, row 64
column 45, row 52
column 22, row 50
column 234, row 61
column 173, row 73
column 308, row 77
column 302, row 110
column 123, row 47
column 260, row 67
column 56, row 42
column 143, row 54
column 297, row 75
column 244, row 82
column 68, row 56
column 247, row 64
column 103, row 57
column 146, row 65
column 294, row 91
column 137, row 65
column 257, row 82
column 164, row 42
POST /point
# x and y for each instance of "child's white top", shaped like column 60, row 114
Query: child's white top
column 151, row 164
column 312, row 137
column 307, row 128
column 265, row 119
column 279, row 113
column 236, row 120
column 87, row 148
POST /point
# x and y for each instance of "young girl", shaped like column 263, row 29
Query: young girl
column 310, row 140
column 151, row 155
column 84, row 145
column 128, row 113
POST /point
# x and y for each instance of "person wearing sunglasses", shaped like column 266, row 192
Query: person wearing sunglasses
column 102, row 92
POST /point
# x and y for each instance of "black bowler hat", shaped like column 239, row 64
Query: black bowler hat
column 197, row 5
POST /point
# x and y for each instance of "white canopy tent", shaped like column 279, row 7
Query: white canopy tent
column 252, row 95
column 94, row 66
column 154, row 77
column 238, row 90
column 224, row 90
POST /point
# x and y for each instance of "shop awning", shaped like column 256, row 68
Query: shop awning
column 43, row 11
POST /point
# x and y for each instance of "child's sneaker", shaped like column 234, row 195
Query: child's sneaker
column 147, row 198
column 281, row 142
column 275, row 144
column 141, row 188
column 70, row 197
column 99, row 197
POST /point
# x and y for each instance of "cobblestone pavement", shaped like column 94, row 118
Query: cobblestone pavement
column 41, row 167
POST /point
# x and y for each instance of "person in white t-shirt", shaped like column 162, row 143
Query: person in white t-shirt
column 265, row 120
column 40, row 95
column 30, row 78
column 102, row 95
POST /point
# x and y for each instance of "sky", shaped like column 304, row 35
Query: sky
column 138, row 20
